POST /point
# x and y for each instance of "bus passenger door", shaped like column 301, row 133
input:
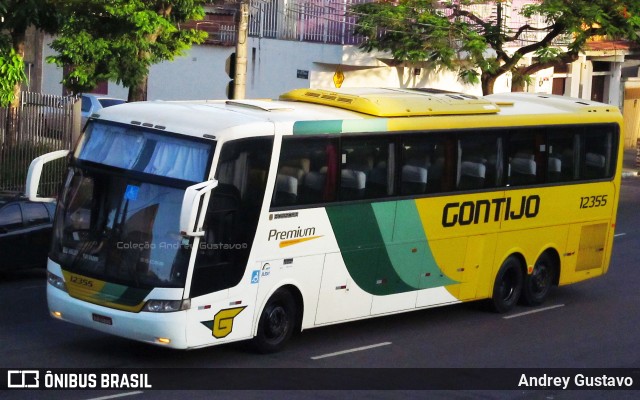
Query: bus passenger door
column 222, row 295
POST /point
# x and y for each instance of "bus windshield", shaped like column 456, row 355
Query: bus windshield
column 122, row 224
column 142, row 150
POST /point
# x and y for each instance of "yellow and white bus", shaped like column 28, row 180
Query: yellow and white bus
column 190, row 224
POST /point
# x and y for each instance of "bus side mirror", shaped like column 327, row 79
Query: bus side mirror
column 191, row 204
column 35, row 170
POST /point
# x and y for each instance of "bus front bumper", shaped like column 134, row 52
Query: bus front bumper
column 163, row 329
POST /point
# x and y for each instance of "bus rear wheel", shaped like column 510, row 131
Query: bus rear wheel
column 277, row 322
column 508, row 285
column 538, row 284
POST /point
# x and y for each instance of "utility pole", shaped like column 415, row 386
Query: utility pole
column 241, row 51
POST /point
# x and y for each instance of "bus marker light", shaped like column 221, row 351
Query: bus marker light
column 235, row 303
column 163, row 340
column 56, row 314
column 207, row 307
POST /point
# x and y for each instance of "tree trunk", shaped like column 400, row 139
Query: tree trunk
column 517, row 86
column 11, row 128
column 138, row 92
column 12, row 124
column 487, row 81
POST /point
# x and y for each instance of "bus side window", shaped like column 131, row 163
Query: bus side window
column 596, row 156
column 307, row 171
column 479, row 161
column 423, row 165
column 524, row 165
column 562, row 146
column 366, row 168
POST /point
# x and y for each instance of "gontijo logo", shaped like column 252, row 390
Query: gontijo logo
column 482, row 211
column 223, row 321
column 293, row 236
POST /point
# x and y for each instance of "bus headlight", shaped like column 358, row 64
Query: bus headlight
column 160, row 306
column 56, row 281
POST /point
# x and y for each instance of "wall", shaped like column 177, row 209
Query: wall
column 277, row 66
column 272, row 69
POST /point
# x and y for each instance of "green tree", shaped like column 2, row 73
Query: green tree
column 119, row 40
column 450, row 35
column 16, row 16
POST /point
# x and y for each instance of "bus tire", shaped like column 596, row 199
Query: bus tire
column 538, row 284
column 277, row 322
column 508, row 285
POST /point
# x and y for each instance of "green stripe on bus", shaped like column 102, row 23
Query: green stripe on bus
column 410, row 252
column 340, row 126
column 363, row 249
column 385, row 248
column 365, row 125
column 317, row 127
column 122, row 295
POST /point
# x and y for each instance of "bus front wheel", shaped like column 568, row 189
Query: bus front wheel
column 538, row 284
column 276, row 323
column 508, row 285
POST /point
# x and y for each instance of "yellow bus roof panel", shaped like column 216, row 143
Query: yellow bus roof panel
column 395, row 102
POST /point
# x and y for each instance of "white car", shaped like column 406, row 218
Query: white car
column 92, row 103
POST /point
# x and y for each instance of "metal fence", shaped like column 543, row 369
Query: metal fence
column 322, row 21
column 44, row 123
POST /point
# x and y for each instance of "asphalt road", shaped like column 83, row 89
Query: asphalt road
column 593, row 324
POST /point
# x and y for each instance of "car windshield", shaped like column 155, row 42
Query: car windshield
column 118, row 217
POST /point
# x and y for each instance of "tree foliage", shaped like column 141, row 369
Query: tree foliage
column 11, row 74
column 119, row 40
column 449, row 34
column 15, row 17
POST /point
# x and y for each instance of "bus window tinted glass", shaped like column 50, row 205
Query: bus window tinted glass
column 562, row 145
column 306, row 172
column 365, row 171
column 597, row 155
column 423, row 165
column 479, row 161
column 523, row 163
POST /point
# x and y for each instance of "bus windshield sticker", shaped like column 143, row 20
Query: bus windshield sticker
column 132, row 192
